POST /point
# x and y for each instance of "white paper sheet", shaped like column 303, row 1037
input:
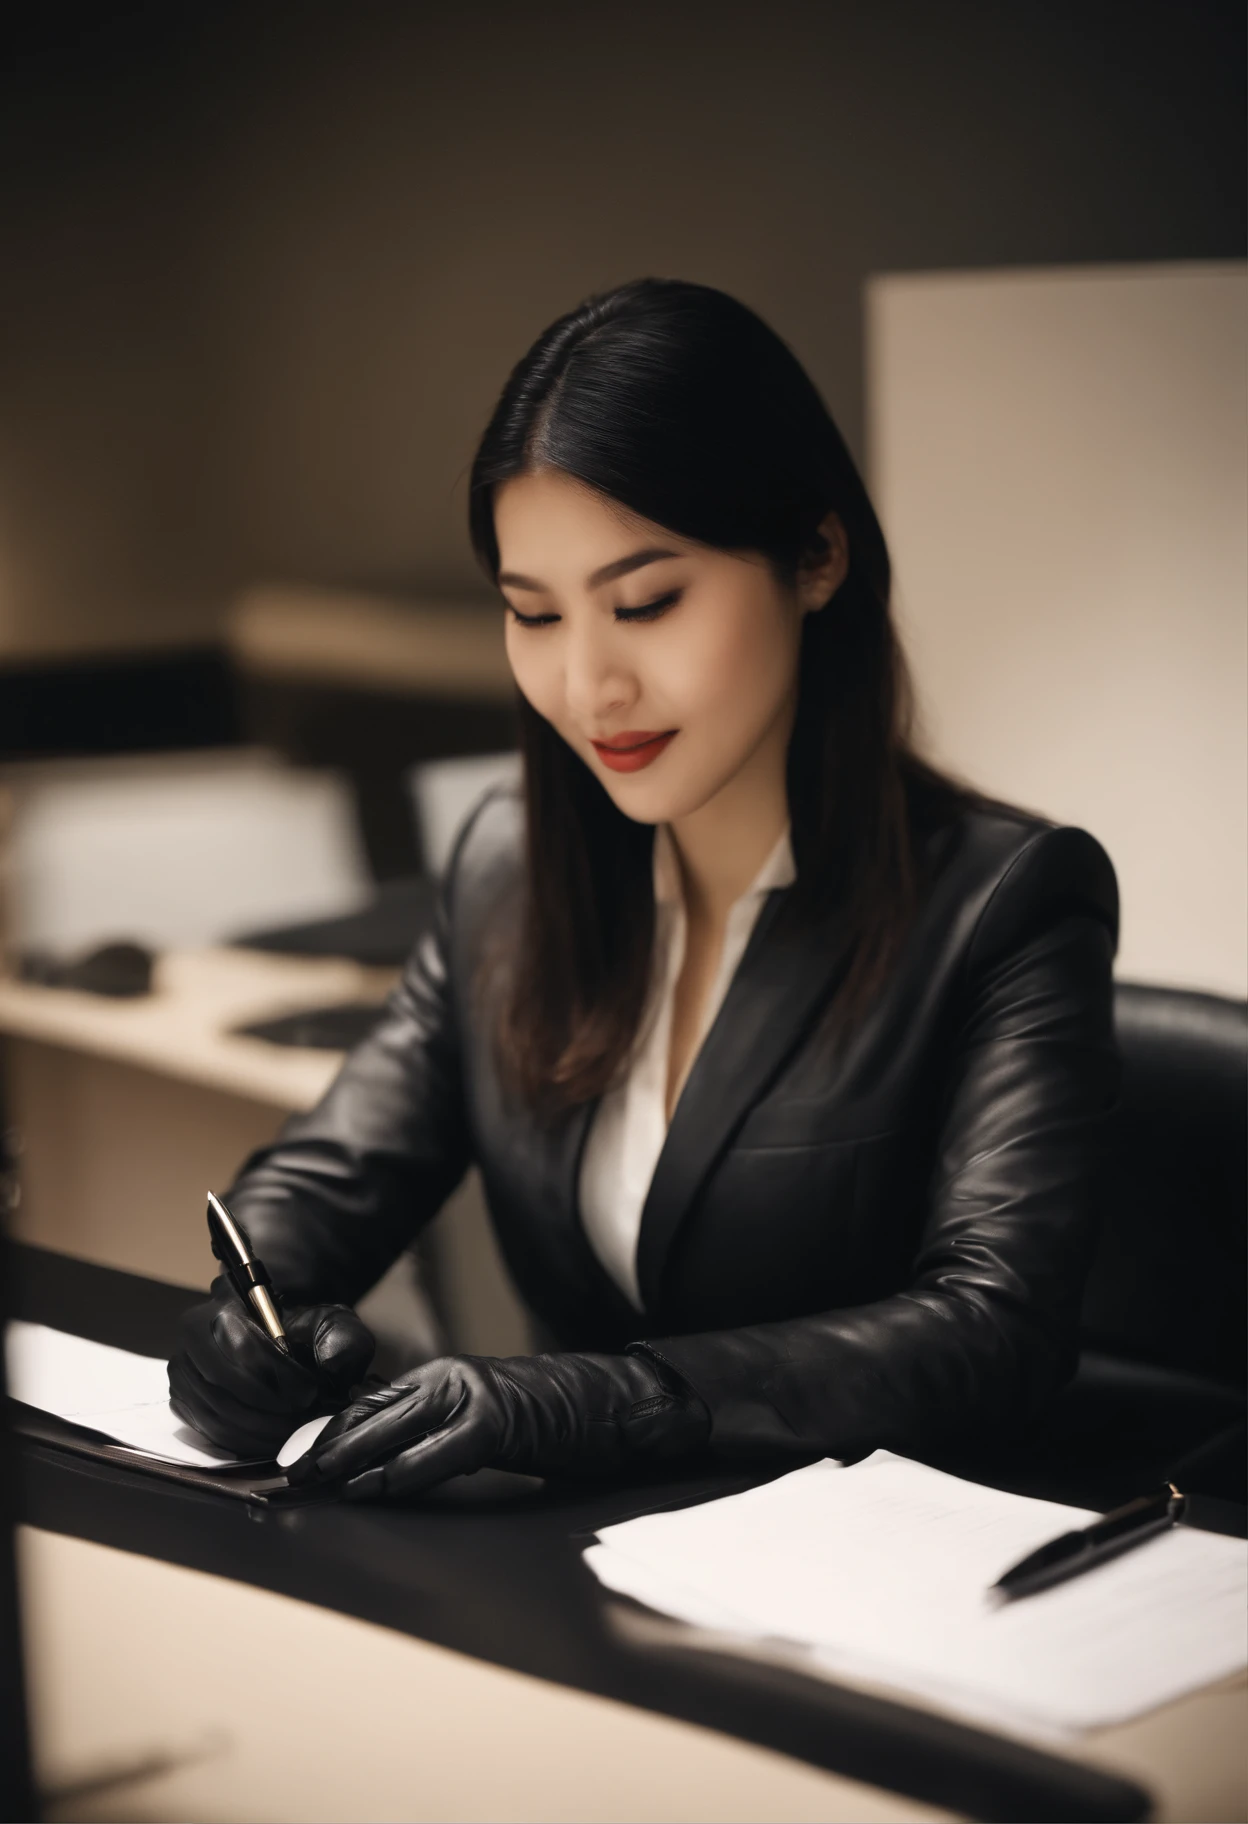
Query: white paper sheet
column 301, row 1441
column 882, row 1571
column 109, row 1390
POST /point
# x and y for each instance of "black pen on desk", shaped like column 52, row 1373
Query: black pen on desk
column 248, row 1276
column 1106, row 1538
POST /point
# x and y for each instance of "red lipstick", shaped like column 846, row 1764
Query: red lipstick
column 634, row 748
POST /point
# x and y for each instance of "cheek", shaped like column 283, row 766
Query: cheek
column 536, row 673
column 740, row 667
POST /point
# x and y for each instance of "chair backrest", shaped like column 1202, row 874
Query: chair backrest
column 444, row 792
column 1168, row 1281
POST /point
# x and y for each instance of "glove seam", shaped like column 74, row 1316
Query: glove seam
column 640, row 1409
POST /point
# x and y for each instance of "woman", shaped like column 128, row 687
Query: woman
column 785, row 1060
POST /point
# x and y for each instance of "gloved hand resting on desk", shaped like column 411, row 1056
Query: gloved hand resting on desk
column 231, row 1382
column 577, row 1415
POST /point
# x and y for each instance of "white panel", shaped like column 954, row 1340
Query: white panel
column 1059, row 459
column 177, row 850
column 445, row 792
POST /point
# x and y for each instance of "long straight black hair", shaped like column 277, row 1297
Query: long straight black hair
column 678, row 402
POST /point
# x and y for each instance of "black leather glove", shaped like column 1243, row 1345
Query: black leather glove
column 579, row 1415
column 230, row 1381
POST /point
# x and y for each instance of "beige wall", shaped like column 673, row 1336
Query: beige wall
column 1060, row 461
column 267, row 267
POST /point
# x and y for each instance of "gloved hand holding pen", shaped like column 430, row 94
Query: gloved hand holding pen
column 233, row 1383
column 249, row 1369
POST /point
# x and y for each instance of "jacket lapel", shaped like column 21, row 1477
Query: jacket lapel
column 781, row 986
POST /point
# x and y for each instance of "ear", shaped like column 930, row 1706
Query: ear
column 826, row 568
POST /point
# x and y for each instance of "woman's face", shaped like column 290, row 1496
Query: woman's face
column 668, row 666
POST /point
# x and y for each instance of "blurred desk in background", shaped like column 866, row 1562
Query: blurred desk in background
column 126, row 1112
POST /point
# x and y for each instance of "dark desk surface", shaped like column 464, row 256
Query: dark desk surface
column 499, row 1576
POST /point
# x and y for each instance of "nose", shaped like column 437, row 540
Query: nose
column 598, row 682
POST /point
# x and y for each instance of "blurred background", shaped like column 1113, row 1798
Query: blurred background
column 265, row 269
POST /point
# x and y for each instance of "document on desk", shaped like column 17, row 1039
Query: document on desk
column 107, row 1390
column 881, row 1572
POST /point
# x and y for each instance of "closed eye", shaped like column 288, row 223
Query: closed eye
column 647, row 611
column 650, row 611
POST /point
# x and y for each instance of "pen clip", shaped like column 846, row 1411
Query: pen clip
column 232, row 1246
column 230, row 1241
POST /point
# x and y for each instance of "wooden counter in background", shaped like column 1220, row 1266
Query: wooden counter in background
column 124, row 1113
column 415, row 647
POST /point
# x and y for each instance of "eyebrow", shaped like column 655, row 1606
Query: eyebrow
column 623, row 566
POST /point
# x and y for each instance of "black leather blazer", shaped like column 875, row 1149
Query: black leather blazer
column 884, row 1246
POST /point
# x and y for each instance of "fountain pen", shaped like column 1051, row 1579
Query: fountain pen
column 247, row 1275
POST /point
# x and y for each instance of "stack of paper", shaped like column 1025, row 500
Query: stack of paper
column 881, row 1572
column 124, row 1396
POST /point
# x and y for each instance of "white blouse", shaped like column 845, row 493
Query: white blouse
column 630, row 1125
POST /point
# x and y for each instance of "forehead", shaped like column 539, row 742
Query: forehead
column 547, row 521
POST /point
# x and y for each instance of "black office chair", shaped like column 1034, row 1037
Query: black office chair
column 1161, row 1384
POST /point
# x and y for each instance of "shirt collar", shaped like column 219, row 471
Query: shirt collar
column 777, row 871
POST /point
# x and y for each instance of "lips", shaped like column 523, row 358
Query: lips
column 635, row 748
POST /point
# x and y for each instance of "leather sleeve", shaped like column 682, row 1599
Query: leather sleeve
column 987, row 1327
column 344, row 1188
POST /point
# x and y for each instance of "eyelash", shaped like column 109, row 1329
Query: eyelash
column 649, row 611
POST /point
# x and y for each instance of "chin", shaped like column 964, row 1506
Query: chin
column 638, row 801
column 657, row 800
